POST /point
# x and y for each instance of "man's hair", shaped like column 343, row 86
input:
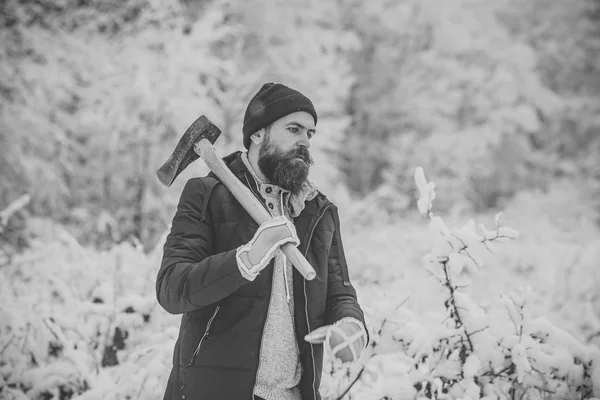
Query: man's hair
column 267, row 129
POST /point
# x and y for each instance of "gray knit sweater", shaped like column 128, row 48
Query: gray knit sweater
column 279, row 369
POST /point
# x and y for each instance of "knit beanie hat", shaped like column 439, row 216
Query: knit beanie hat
column 273, row 101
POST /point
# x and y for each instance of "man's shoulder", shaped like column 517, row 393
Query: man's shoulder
column 321, row 200
column 322, row 196
column 205, row 188
column 209, row 194
column 202, row 183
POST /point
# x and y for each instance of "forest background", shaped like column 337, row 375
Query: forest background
column 499, row 102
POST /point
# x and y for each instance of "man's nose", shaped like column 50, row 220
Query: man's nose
column 305, row 141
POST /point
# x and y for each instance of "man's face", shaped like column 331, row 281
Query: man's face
column 283, row 155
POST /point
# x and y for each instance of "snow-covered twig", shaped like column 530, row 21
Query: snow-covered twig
column 8, row 342
column 454, row 311
column 12, row 208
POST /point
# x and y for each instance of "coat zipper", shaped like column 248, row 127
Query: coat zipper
column 312, row 352
column 210, row 321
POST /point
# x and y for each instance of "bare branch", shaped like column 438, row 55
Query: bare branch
column 356, row 379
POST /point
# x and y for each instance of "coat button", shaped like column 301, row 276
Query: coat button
column 271, row 206
column 269, row 189
column 183, row 396
column 182, row 386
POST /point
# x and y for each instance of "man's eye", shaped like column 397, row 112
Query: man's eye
column 293, row 129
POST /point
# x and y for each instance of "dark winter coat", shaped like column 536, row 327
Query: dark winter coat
column 217, row 353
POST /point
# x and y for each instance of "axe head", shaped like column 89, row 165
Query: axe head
column 184, row 153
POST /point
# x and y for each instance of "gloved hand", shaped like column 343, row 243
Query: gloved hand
column 345, row 340
column 255, row 255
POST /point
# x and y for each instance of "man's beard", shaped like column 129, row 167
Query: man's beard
column 284, row 169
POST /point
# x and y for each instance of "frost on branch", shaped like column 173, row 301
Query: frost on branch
column 471, row 352
column 426, row 192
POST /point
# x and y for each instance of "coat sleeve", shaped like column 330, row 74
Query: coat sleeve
column 190, row 275
column 342, row 300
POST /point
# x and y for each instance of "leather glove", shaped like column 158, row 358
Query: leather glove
column 255, row 255
column 345, row 340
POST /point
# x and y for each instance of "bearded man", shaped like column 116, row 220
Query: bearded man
column 252, row 326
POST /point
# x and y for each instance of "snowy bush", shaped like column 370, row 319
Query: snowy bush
column 468, row 351
column 80, row 324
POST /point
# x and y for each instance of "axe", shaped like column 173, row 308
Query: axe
column 198, row 141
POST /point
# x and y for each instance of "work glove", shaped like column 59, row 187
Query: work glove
column 255, row 255
column 345, row 340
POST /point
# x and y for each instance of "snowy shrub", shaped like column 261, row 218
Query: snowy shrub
column 80, row 324
column 468, row 351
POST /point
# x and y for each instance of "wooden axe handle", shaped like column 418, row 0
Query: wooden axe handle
column 250, row 203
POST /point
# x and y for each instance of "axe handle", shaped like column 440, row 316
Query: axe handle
column 250, row 203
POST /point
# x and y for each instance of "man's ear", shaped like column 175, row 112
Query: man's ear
column 258, row 136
